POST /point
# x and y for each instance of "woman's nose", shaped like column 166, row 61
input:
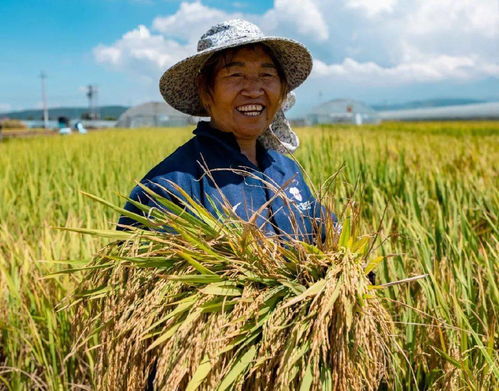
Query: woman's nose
column 253, row 86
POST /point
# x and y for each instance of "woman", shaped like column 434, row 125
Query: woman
column 241, row 80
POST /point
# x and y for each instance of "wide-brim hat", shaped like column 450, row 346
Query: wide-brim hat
column 178, row 85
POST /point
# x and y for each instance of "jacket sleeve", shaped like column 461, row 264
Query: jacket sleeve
column 162, row 186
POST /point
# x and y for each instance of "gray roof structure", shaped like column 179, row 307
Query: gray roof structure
column 153, row 114
column 483, row 111
column 345, row 111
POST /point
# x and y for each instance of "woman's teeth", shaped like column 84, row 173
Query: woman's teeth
column 250, row 110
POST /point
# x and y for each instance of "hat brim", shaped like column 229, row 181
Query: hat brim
column 178, row 84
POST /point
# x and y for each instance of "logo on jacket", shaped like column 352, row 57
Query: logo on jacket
column 234, row 208
column 296, row 193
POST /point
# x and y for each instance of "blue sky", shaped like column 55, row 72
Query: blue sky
column 376, row 51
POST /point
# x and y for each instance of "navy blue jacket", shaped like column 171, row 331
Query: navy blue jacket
column 215, row 150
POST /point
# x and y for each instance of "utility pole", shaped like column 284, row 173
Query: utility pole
column 43, row 76
column 90, row 96
column 92, row 101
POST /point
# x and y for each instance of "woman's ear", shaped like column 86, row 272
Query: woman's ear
column 205, row 101
column 204, row 95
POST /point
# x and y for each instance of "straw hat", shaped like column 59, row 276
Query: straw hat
column 178, row 84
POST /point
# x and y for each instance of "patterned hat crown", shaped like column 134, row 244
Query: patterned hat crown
column 230, row 33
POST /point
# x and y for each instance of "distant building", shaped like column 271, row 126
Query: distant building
column 153, row 114
column 342, row 111
column 477, row 111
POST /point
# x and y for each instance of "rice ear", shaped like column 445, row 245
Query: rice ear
column 229, row 308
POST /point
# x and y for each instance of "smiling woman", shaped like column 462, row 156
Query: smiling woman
column 242, row 89
column 241, row 80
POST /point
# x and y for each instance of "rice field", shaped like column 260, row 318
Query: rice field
column 430, row 188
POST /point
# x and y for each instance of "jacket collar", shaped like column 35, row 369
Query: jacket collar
column 227, row 140
column 204, row 129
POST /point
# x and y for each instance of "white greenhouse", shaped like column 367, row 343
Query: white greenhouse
column 342, row 111
column 153, row 114
column 478, row 111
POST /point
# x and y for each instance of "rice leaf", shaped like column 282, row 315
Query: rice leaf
column 202, row 371
column 313, row 290
column 198, row 266
column 140, row 219
column 194, row 278
column 307, row 380
column 225, row 288
column 372, row 264
column 238, row 368
column 164, row 337
column 218, row 306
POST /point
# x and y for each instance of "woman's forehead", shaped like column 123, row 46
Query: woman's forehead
column 242, row 56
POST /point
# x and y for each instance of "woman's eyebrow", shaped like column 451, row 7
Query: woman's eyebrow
column 234, row 64
column 241, row 64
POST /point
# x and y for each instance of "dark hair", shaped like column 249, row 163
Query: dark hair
column 206, row 77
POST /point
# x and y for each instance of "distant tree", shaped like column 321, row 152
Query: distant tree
column 87, row 116
column 7, row 123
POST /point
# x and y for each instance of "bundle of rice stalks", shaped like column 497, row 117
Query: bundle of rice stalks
column 211, row 303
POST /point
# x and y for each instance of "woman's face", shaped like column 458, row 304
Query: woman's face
column 246, row 94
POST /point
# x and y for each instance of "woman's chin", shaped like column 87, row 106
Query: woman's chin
column 253, row 125
column 251, row 130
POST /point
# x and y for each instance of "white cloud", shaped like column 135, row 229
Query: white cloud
column 372, row 7
column 296, row 16
column 141, row 52
column 383, row 42
column 190, row 21
column 439, row 68
column 302, row 17
column 455, row 16
column 147, row 53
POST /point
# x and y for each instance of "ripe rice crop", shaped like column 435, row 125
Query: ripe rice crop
column 218, row 305
column 430, row 187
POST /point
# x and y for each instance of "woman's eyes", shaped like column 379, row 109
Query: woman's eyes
column 240, row 75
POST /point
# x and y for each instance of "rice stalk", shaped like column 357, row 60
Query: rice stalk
column 218, row 305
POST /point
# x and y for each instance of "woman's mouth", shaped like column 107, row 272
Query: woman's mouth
column 253, row 110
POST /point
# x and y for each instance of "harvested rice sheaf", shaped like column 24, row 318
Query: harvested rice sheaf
column 214, row 304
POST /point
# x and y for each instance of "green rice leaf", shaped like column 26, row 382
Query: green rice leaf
column 313, row 290
column 238, row 368
column 360, row 245
column 194, row 278
column 294, row 286
column 179, row 215
column 307, row 380
column 100, row 290
column 101, row 233
column 328, row 306
column 165, row 336
column 225, row 288
column 326, row 379
column 218, row 306
column 134, row 216
column 345, row 233
column 373, row 263
column 198, row 266
column 182, row 306
column 159, row 262
column 202, row 371
column 74, row 270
